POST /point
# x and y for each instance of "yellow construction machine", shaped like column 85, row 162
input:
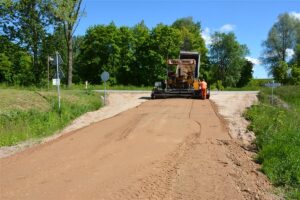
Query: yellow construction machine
column 182, row 78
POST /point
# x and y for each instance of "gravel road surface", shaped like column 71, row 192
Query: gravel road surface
column 161, row 149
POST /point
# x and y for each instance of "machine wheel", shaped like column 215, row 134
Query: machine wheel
column 152, row 96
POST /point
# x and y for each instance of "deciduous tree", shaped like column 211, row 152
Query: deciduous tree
column 227, row 58
column 246, row 74
column 25, row 23
column 282, row 36
column 68, row 12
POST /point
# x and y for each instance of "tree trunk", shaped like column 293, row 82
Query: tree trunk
column 70, row 55
column 35, row 64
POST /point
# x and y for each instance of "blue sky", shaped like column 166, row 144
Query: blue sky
column 249, row 19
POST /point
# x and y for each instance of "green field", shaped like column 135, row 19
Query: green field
column 27, row 114
column 276, row 124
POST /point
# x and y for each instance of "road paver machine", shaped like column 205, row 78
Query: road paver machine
column 182, row 78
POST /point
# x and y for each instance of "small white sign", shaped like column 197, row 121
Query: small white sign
column 56, row 81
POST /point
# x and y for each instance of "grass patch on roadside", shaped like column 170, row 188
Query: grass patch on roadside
column 111, row 87
column 253, row 85
column 82, row 87
column 277, row 129
column 26, row 114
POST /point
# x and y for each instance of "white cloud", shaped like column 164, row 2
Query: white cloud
column 255, row 61
column 295, row 14
column 227, row 28
column 206, row 36
column 290, row 52
column 206, row 33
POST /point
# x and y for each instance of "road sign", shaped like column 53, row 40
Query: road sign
column 105, row 76
column 57, row 60
column 273, row 84
column 56, row 81
column 60, row 74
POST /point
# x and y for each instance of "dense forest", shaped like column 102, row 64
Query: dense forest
column 31, row 31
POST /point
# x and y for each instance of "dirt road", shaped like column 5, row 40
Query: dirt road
column 162, row 149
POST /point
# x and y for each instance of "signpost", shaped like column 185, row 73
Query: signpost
column 105, row 77
column 273, row 85
column 56, row 81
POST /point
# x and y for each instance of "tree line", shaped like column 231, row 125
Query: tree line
column 32, row 30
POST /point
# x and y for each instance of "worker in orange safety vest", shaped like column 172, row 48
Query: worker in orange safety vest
column 203, row 86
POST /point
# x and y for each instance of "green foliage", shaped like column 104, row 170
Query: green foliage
column 296, row 58
column 27, row 21
column 5, row 67
column 23, row 70
column 99, row 52
column 193, row 41
column 258, row 82
column 217, row 85
column 68, row 13
column 15, row 65
column 22, row 124
column 278, row 138
column 166, row 41
column 253, row 85
column 280, row 72
column 132, row 56
column 290, row 94
column 246, row 74
column 227, row 58
column 295, row 74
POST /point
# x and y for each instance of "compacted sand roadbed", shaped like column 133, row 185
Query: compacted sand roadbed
column 162, row 149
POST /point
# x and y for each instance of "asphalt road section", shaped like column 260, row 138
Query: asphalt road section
column 162, row 149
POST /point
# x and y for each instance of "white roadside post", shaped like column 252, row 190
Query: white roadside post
column 105, row 77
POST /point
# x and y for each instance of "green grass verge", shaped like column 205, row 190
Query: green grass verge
column 81, row 87
column 253, row 85
column 112, row 87
column 277, row 130
column 34, row 114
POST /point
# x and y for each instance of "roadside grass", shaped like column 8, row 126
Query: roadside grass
column 253, row 85
column 81, row 87
column 26, row 114
column 246, row 88
column 112, row 87
column 277, row 129
column 290, row 94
